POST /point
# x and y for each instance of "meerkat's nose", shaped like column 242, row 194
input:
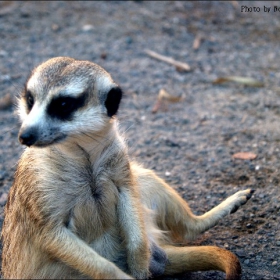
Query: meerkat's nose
column 27, row 137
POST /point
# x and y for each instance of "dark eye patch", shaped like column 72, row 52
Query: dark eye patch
column 63, row 107
column 29, row 100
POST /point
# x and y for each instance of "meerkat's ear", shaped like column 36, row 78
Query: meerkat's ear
column 113, row 100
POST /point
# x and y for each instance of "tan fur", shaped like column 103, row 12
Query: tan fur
column 80, row 208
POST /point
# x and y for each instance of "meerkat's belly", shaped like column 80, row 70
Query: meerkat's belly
column 90, row 218
column 95, row 222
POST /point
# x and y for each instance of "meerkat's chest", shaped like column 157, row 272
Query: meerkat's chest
column 85, row 191
column 95, row 210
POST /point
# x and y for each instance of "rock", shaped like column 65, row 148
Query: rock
column 240, row 253
column 3, row 199
column 167, row 174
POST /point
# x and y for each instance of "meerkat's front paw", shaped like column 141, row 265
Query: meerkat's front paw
column 140, row 274
column 158, row 261
column 139, row 267
column 238, row 199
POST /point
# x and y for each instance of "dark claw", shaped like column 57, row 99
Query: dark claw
column 234, row 209
column 249, row 195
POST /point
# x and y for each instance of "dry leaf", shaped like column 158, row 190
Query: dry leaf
column 162, row 99
column 241, row 80
column 164, row 95
column 245, row 156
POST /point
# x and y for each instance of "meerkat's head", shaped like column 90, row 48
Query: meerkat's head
column 65, row 97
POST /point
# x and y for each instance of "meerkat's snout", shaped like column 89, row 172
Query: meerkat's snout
column 28, row 136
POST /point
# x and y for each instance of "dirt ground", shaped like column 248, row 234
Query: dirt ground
column 190, row 143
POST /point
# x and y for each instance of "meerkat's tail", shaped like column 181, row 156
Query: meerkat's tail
column 198, row 258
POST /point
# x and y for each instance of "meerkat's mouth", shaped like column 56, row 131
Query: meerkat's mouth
column 42, row 144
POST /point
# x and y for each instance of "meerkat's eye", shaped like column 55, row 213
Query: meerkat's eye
column 65, row 104
column 64, row 107
column 29, row 100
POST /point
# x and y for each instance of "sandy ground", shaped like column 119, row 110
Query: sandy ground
column 189, row 143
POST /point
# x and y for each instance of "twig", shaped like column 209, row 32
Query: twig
column 170, row 60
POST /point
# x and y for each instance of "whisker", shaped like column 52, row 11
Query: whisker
column 125, row 130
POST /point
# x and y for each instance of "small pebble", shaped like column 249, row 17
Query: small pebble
column 103, row 55
column 274, row 263
column 167, row 174
column 3, row 199
column 240, row 253
column 128, row 40
column 247, row 261
column 278, row 243
column 87, row 27
column 55, row 27
column 3, row 53
column 258, row 258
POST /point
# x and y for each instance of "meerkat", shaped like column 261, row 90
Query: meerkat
column 79, row 207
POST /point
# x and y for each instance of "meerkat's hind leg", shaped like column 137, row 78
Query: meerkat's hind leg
column 173, row 214
column 228, row 206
